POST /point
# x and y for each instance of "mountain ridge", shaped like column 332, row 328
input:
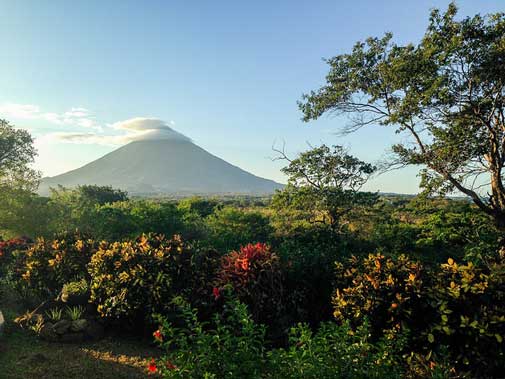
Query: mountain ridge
column 163, row 166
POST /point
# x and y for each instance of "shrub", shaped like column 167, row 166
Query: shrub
column 128, row 219
column 232, row 346
column 454, row 311
column 469, row 316
column 76, row 292
column 336, row 351
column 47, row 265
column 132, row 280
column 308, row 253
column 255, row 275
column 7, row 248
column 230, row 227
column 387, row 291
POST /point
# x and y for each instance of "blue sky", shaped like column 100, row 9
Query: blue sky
column 227, row 74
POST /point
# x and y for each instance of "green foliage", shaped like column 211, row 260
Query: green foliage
column 47, row 265
column 54, row 314
column 307, row 253
column 336, row 351
column 445, row 92
column 132, row 280
column 325, row 182
column 233, row 346
column 74, row 313
column 255, row 275
column 229, row 228
column 16, row 154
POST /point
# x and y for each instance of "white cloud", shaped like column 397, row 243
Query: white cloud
column 118, row 133
column 135, row 129
column 74, row 117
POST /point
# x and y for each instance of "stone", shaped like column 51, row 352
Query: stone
column 61, row 327
column 47, row 332
column 2, row 323
column 94, row 330
column 72, row 337
column 79, row 325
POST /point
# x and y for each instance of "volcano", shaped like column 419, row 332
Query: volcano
column 166, row 166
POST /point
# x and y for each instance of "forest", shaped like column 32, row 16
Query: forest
column 320, row 280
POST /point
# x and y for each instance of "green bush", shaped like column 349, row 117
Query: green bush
column 229, row 228
column 128, row 219
column 336, row 351
column 308, row 253
column 132, row 280
column 232, row 346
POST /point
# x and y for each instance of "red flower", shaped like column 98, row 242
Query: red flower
column 158, row 336
column 216, row 293
column 152, row 366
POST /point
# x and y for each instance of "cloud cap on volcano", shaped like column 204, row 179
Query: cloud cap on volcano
column 143, row 128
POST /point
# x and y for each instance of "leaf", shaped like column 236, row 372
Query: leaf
column 431, row 338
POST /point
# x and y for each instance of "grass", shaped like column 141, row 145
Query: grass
column 24, row 356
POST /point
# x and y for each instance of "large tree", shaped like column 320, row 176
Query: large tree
column 16, row 154
column 20, row 209
column 446, row 92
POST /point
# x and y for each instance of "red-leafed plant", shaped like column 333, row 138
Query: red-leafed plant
column 254, row 273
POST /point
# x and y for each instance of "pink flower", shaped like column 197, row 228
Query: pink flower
column 216, row 293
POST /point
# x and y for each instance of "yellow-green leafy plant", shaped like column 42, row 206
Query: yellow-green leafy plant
column 387, row 291
column 469, row 315
column 48, row 265
column 133, row 280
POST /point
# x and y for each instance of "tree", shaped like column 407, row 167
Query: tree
column 447, row 93
column 16, row 154
column 20, row 211
column 326, row 182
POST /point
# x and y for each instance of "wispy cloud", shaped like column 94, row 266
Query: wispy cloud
column 86, row 130
column 80, row 117
column 134, row 129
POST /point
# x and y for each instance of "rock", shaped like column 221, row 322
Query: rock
column 47, row 332
column 61, row 327
column 79, row 325
column 72, row 337
column 94, row 330
column 2, row 323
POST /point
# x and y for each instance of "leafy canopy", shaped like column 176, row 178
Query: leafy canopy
column 446, row 93
column 326, row 182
